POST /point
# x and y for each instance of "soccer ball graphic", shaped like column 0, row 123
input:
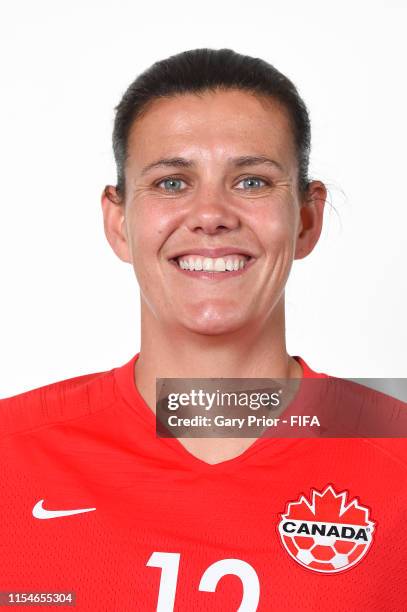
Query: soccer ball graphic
column 326, row 535
column 324, row 552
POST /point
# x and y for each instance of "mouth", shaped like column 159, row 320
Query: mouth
column 205, row 266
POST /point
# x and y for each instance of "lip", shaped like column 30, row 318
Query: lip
column 213, row 252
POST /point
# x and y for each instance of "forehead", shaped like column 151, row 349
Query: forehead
column 212, row 125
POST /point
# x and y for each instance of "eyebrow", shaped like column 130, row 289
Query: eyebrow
column 182, row 162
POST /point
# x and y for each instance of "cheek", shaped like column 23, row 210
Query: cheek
column 146, row 227
column 276, row 229
column 150, row 226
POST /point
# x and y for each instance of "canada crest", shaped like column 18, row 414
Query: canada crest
column 327, row 533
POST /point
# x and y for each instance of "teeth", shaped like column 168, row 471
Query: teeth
column 220, row 265
column 229, row 263
column 207, row 264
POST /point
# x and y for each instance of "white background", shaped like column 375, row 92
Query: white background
column 68, row 305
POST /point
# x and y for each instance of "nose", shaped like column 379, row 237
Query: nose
column 212, row 212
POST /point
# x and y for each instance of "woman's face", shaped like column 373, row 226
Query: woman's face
column 225, row 196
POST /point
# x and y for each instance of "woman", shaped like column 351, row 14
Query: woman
column 213, row 203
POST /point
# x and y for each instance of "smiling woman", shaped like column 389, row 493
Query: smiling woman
column 212, row 205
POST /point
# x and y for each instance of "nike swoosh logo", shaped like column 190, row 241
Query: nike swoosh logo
column 41, row 513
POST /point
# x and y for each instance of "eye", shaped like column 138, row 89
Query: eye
column 252, row 180
column 170, row 184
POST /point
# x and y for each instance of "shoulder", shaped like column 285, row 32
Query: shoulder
column 56, row 402
column 392, row 449
column 377, row 419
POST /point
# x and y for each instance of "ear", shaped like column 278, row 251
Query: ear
column 311, row 217
column 114, row 222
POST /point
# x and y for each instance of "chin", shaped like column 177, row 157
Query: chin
column 213, row 322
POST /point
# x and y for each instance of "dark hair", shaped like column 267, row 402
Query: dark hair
column 200, row 70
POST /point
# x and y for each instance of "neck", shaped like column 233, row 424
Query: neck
column 258, row 351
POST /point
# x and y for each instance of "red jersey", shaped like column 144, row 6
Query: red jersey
column 92, row 502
